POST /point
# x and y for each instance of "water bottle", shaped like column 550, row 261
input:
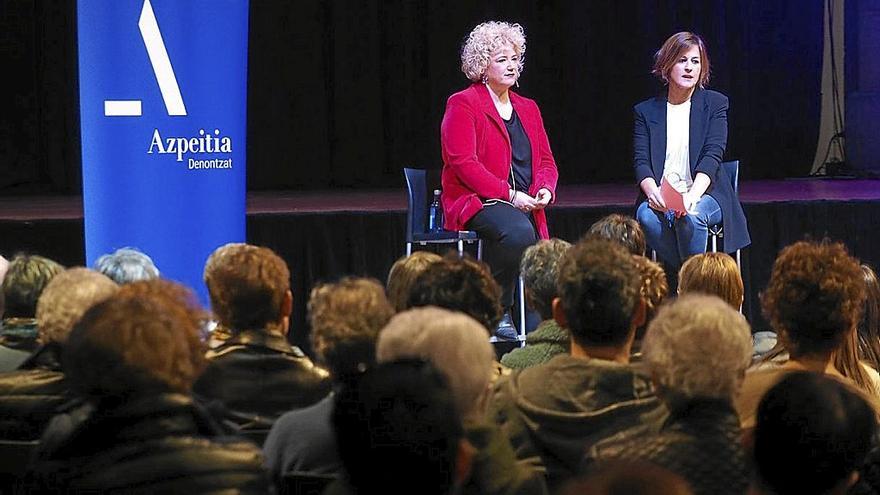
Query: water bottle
column 435, row 214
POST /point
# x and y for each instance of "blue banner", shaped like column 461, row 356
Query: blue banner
column 163, row 90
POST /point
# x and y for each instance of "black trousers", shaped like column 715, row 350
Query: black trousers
column 506, row 233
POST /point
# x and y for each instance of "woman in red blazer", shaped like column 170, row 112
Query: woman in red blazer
column 498, row 170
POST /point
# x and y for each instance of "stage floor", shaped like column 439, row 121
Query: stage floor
column 25, row 208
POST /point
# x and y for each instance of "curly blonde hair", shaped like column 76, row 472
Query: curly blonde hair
column 484, row 40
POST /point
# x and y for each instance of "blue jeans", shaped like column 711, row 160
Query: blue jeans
column 687, row 236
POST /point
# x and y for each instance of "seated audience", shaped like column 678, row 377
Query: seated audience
column 459, row 284
column 538, row 268
column 457, row 346
column 256, row 375
column 700, row 440
column 869, row 327
column 620, row 228
column 811, row 436
column 813, row 302
column 398, row 431
column 653, row 291
column 554, row 412
column 134, row 358
column 627, row 478
column 712, row 273
column 127, row 265
column 30, row 396
column 345, row 318
column 26, row 277
column 403, row 273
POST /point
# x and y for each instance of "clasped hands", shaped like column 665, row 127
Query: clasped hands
column 526, row 203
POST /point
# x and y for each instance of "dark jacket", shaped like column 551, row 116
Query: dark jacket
column 700, row 441
column 707, row 141
column 31, row 395
column 257, row 376
column 157, row 444
column 555, row 411
column 545, row 342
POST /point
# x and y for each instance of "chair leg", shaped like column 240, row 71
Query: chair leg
column 714, row 243
column 408, row 248
column 460, row 248
column 522, row 311
column 653, row 256
column 480, row 249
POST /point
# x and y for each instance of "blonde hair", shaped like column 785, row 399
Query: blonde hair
column 67, row 297
column 484, row 40
column 712, row 273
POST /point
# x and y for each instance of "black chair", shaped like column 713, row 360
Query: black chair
column 418, row 183
column 417, row 232
column 716, row 232
column 297, row 483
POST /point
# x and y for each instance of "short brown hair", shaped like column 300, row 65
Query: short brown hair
column 621, row 228
column 712, row 273
column 247, row 285
column 345, row 318
column 68, row 295
column 135, row 343
column 673, row 48
column 402, row 275
column 814, row 297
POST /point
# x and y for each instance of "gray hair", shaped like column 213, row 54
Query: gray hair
column 485, row 39
column 698, row 346
column 453, row 342
column 539, row 267
column 127, row 265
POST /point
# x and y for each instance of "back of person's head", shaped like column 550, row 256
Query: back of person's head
column 654, row 287
column 126, row 265
column 66, row 298
column 712, row 273
column 627, row 478
column 869, row 328
column 620, row 228
column 345, row 318
column 812, row 435
column 248, row 286
column 815, row 296
column 460, row 284
column 26, row 278
column 403, row 273
column 539, row 267
column 397, row 430
column 598, row 288
column 698, row 347
column 453, row 342
column 138, row 342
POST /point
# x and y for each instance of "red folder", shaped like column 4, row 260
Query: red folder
column 673, row 199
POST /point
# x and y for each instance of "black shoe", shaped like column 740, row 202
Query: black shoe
column 506, row 329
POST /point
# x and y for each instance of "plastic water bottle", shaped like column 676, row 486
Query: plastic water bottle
column 435, row 214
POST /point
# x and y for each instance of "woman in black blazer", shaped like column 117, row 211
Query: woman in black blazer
column 680, row 138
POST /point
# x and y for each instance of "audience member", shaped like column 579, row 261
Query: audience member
column 712, row 273
column 538, row 268
column 30, row 396
column 811, row 437
column 255, row 375
column 26, row 277
column 620, row 228
column 555, row 411
column 627, row 478
column 813, row 302
column 700, row 440
column 869, row 327
column 127, row 265
column 653, row 291
column 345, row 318
column 459, row 284
column 134, row 357
column 398, row 431
column 403, row 273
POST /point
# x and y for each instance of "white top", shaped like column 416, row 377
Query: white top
column 677, row 168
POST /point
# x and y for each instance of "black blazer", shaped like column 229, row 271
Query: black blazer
column 707, row 141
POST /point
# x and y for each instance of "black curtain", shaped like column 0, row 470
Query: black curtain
column 344, row 94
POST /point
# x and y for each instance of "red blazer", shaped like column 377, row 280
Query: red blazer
column 477, row 155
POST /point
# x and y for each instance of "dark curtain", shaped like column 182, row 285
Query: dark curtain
column 347, row 93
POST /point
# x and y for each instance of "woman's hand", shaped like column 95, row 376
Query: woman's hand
column 523, row 201
column 652, row 191
column 542, row 199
